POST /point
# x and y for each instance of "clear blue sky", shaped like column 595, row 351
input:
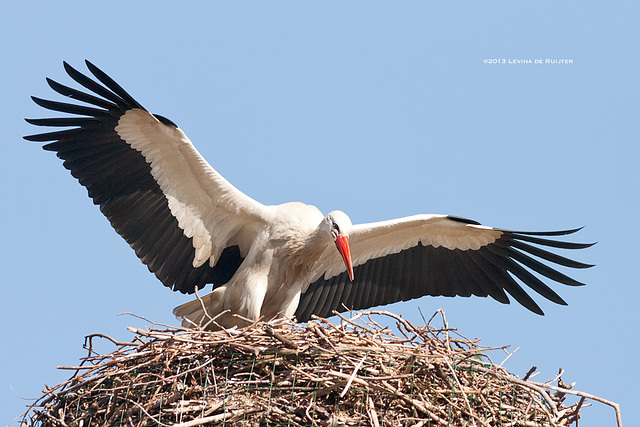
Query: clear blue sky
column 381, row 109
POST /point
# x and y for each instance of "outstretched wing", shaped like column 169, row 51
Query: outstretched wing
column 187, row 223
column 436, row 255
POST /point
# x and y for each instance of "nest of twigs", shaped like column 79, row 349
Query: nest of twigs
column 319, row 374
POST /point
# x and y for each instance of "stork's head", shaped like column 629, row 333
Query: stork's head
column 339, row 225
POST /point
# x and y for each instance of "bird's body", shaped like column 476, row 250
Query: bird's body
column 272, row 275
column 191, row 227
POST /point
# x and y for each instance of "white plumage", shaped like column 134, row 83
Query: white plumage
column 191, row 227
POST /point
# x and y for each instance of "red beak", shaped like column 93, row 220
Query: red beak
column 342, row 243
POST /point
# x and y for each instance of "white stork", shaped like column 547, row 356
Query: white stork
column 191, row 227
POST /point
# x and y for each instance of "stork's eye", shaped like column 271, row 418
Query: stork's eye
column 334, row 227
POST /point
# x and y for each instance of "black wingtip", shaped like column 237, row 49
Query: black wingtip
column 32, row 138
column 536, row 310
column 57, row 86
column 549, row 233
column 41, row 102
column 92, row 67
column 576, row 283
column 68, row 68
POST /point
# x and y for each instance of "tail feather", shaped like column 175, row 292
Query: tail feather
column 193, row 313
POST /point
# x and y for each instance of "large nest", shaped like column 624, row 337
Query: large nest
column 318, row 374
